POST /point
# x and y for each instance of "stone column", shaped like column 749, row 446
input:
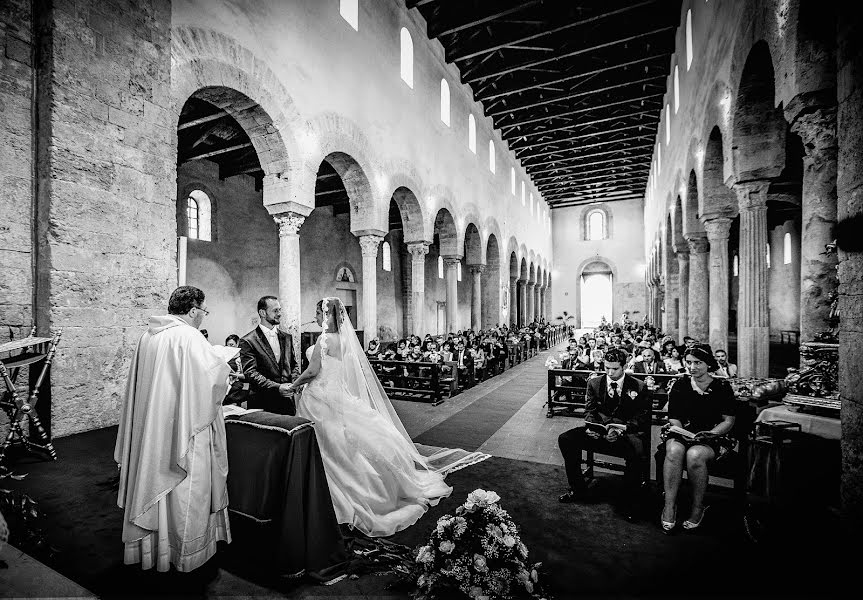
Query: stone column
column 536, row 309
column 451, row 263
column 697, row 304
column 818, row 282
column 417, row 305
column 541, row 304
column 289, row 273
column 522, row 302
column 530, row 305
column 513, row 301
column 369, row 245
column 717, row 235
column 753, row 329
column 476, row 297
column 682, row 293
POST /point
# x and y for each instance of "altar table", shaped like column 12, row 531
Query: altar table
column 281, row 511
column 822, row 426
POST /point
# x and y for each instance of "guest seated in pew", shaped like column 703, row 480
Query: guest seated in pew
column 674, row 362
column 479, row 359
column 464, row 361
column 726, row 369
column 610, row 398
column 597, row 360
column 703, row 405
column 374, row 348
column 647, row 362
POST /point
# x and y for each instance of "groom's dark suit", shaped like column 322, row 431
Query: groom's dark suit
column 265, row 374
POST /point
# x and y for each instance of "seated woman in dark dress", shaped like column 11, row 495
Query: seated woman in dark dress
column 703, row 405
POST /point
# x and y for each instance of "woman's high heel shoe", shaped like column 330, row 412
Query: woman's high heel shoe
column 667, row 526
column 690, row 525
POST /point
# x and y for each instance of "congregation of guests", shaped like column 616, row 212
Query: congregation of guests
column 701, row 402
column 476, row 355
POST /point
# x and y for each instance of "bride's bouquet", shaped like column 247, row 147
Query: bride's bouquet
column 478, row 552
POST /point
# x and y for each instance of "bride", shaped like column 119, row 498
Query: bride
column 379, row 482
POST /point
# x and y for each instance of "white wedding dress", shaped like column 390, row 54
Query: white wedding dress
column 378, row 481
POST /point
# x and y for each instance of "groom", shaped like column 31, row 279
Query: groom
column 268, row 361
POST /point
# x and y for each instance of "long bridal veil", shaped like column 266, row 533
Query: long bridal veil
column 359, row 378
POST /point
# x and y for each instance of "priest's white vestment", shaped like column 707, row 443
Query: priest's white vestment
column 171, row 449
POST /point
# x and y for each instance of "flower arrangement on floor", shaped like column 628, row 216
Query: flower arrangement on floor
column 552, row 363
column 477, row 552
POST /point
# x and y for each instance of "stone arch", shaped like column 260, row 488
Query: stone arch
column 522, row 269
column 514, row 270
column 716, row 197
column 444, row 227
column 531, row 273
column 522, row 252
column 473, row 250
column 691, row 224
column 677, row 225
column 441, row 198
column 492, row 308
column 490, row 228
column 512, row 247
column 340, row 142
column 218, row 69
column 758, row 130
column 410, row 208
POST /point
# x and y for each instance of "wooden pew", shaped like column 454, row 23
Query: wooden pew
column 417, row 381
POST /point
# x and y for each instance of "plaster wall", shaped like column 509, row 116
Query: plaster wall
column 622, row 252
column 783, row 299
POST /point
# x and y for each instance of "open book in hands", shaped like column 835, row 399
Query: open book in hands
column 604, row 430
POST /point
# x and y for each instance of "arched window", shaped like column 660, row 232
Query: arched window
column 735, row 266
column 385, row 256
column 458, row 271
column 768, row 255
column 512, row 180
column 440, row 267
column 786, row 249
column 596, row 225
column 407, row 58
column 522, row 193
column 471, row 133
column 199, row 216
column 192, row 218
column 491, row 158
column 350, row 13
column 688, row 39
column 676, row 89
column 444, row 102
column 667, row 124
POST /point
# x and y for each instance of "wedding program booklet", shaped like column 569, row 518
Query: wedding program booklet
column 684, row 433
column 604, row 429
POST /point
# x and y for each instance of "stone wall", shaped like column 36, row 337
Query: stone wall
column 16, row 168
column 106, row 226
column 850, row 194
column 622, row 251
column 783, row 300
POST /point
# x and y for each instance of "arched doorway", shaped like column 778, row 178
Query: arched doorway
column 597, row 294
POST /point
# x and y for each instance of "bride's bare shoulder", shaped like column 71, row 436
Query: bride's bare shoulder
column 331, row 343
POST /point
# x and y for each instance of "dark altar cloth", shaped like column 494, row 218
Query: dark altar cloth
column 282, row 515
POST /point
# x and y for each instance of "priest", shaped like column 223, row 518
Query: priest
column 171, row 442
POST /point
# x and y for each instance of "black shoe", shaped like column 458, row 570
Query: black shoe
column 573, row 496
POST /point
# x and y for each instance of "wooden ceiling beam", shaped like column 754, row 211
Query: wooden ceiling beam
column 547, row 180
column 580, row 137
column 575, row 179
column 582, row 202
column 591, row 187
column 458, row 57
column 591, row 155
column 587, row 109
column 218, row 152
column 621, row 159
column 580, row 51
column 570, row 96
column 530, row 155
column 417, row 3
column 480, row 20
column 217, row 115
column 581, row 75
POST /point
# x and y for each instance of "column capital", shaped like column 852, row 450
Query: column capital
column 369, row 244
column 817, row 130
column 513, row 279
column 682, row 252
column 697, row 243
column 530, row 283
column 476, row 269
column 418, row 249
column 718, row 228
column 289, row 223
column 752, row 195
column 451, row 261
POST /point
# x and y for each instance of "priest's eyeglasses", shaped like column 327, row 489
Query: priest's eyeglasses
column 203, row 310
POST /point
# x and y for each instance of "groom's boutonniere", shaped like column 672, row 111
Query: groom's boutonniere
column 633, row 394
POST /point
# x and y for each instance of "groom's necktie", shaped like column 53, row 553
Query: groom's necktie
column 614, row 392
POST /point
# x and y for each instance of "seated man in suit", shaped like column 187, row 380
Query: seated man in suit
column 268, row 361
column 649, row 363
column 610, row 398
column 464, row 360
